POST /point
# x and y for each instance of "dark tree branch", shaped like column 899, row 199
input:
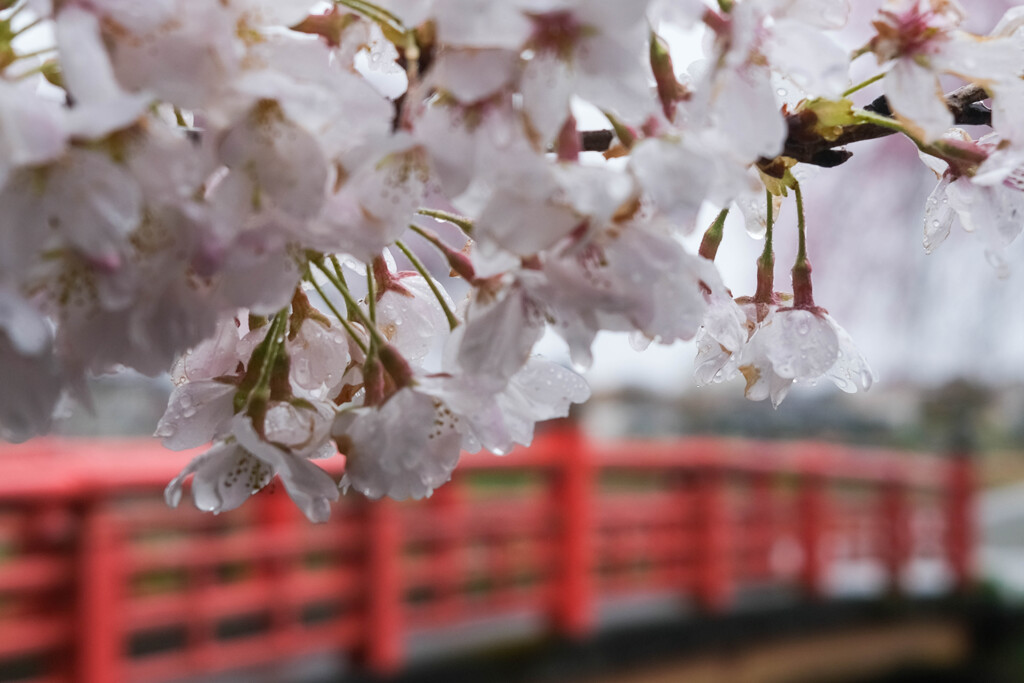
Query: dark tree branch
column 964, row 103
column 596, row 140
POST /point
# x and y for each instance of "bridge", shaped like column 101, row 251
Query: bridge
column 101, row 583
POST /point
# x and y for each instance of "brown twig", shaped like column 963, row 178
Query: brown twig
column 964, row 103
column 596, row 140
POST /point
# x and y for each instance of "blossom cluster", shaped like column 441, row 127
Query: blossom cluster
column 346, row 226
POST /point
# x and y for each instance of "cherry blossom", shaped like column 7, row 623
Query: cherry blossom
column 922, row 38
column 987, row 200
column 346, row 229
column 238, row 466
column 404, row 449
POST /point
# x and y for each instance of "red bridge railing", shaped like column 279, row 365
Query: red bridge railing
column 101, row 583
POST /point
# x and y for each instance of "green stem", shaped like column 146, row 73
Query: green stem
column 463, row 223
column 391, row 26
column 339, row 272
column 40, row 69
column 352, row 304
column 16, row 11
column 276, row 336
column 803, row 288
column 367, row 6
column 765, row 293
column 337, row 269
column 863, row 116
column 626, row 136
column 344, row 323
column 371, row 296
column 801, row 227
column 412, row 57
column 860, row 52
column 36, row 53
column 30, row 25
column 864, row 84
column 428, row 236
column 453, row 322
column 457, row 260
column 884, row 121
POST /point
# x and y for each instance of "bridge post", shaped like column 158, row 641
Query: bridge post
column 813, row 508
column 99, row 597
column 960, row 519
column 383, row 647
column 448, row 503
column 895, row 525
column 274, row 515
column 761, row 526
column 573, row 491
column 714, row 539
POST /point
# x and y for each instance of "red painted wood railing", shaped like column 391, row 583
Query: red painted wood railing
column 101, row 583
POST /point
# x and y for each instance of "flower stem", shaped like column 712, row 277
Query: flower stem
column 344, row 323
column 864, row 116
column 339, row 273
column 15, row 12
column 860, row 52
column 27, row 27
column 39, row 69
column 371, row 295
column 765, row 293
column 276, row 335
column 353, row 305
column 412, row 57
column 803, row 292
column 463, row 223
column 390, row 25
column 254, row 390
column 37, row 53
column 457, row 260
column 453, row 322
column 801, row 225
column 367, row 6
column 864, row 84
column 713, row 237
column 337, row 269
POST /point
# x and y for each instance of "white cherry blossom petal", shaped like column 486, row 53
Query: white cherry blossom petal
column 309, row 486
column 197, row 413
column 406, row 448
column 916, row 97
column 800, row 344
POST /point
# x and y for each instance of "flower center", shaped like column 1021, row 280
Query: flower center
column 556, row 32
